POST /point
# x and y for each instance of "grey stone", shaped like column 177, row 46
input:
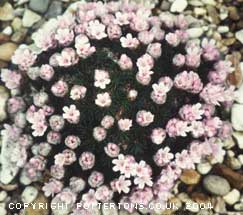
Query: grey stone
column 29, row 194
column 216, row 185
column 3, row 100
column 39, row 6
column 236, row 117
column 54, row 10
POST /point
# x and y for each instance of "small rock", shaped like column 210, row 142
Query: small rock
column 199, row 11
column 8, row 30
column 54, row 10
column 178, row 6
column 165, row 6
column 229, row 143
column 3, row 100
column 195, row 3
column 236, row 117
column 233, row 13
column 7, row 50
column 232, row 197
column 216, row 185
column 234, row 178
column 195, row 32
column 41, row 199
column 6, row 12
column 238, row 206
column 30, row 18
column 213, row 13
column 29, row 194
column 4, row 38
column 219, row 205
column 239, row 35
column 3, row 195
column 16, row 23
column 3, row 64
column 190, row 177
column 9, row 187
column 223, row 29
column 192, row 209
column 200, row 198
column 239, row 96
column 209, row 2
column 234, row 163
column 239, row 138
column 19, row 36
column 204, row 168
column 3, row 210
column 39, row 6
column 240, row 157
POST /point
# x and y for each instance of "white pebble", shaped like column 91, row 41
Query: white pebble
column 236, row 118
column 232, row 197
column 240, row 157
column 195, row 32
column 8, row 30
column 178, row 6
column 204, row 168
column 239, row 138
column 29, row 194
column 223, row 29
column 239, row 35
column 3, row 195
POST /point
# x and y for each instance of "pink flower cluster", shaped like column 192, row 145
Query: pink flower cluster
column 102, row 116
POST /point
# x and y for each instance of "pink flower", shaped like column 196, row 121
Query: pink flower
column 139, row 24
column 99, row 134
column 225, row 131
column 78, row 92
column 197, row 129
column 15, row 104
column 122, row 185
column 176, row 127
column 184, row 161
column 56, row 122
column 159, row 93
column 172, row 39
column 54, row 137
column 39, row 124
column 11, row 78
column 96, row 30
column 132, row 94
column 145, row 63
column 107, row 19
column 103, row 100
column 87, row 160
column 179, row 60
column 154, row 49
column 193, row 57
column 101, row 78
column 163, row 156
column 52, row 187
column 188, row 81
column 217, row 77
column 112, row 150
column 83, row 46
column 57, row 171
column 114, row 31
column 71, row 114
column 59, row 159
column 212, row 126
column 72, row 141
column 144, row 118
column 144, row 77
column 89, row 197
column 158, row 136
column 143, row 175
column 125, row 124
column 191, row 112
column 68, row 57
column 46, row 72
column 77, row 184
column 210, row 50
column 183, row 35
column 215, row 94
column 122, row 18
column 146, row 37
column 96, row 179
column 119, row 163
column 125, row 62
column 103, row 194
column 107, row 122
column 24, row 57
column 159, row 34
column 69, row 157
column 129, row 42
column 64, row 36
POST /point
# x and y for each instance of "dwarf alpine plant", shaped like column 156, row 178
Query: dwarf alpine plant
column 112, row 103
